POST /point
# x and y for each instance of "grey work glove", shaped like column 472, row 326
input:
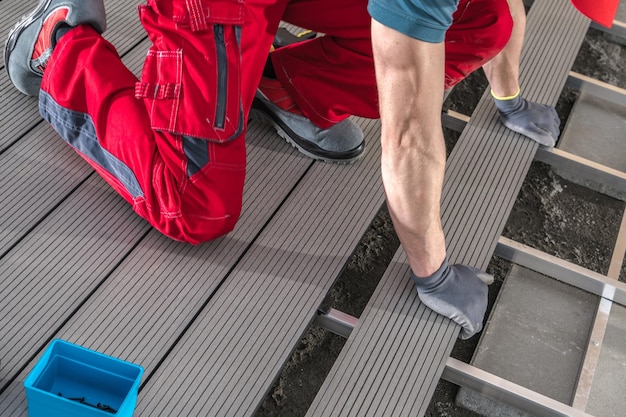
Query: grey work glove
column 536, row 121
column 458, row 292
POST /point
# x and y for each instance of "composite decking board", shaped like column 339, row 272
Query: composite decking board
column 487, row 222
column 414, row 319
column 45, row 276
column 395, row 361
column 480, row 206
column 35, row 175
column 339, row 251
column 124, row 31
column 147, row 301
column 235, row 292
column 14, row 103
column 38, row 172
column 354, row 385
column 228, row 359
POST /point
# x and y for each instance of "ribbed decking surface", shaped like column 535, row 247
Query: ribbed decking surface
column 395, row 356
column 211, row 324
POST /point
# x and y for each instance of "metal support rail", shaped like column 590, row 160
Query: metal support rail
column 607, row 287
column 618, row 29
column 506, row 391
column 561, row 270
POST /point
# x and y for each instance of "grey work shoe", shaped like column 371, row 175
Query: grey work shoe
column 30, row 43
column 341, row 143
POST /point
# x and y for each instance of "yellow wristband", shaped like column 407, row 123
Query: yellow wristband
column 519, row 90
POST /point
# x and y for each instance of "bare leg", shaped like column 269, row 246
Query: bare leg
column 413, row 150
column 503, row 70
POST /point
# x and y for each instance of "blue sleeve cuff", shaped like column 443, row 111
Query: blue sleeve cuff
column 412, row 18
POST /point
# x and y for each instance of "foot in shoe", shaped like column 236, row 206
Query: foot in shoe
column 31, row 42
column 340, row 143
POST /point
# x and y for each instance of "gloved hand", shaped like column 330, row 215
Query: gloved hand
column 458, row 292
column 536, row 121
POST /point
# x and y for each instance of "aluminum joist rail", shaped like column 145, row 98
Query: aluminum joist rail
column 397, row 353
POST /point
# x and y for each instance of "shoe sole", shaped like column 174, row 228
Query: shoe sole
column 17, row 58
column 260, row 112
column 11, row 42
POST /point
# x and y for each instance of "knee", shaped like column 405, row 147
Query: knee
column 208, row 208
column 200, row 226
column 209, row 212
column 196, row 230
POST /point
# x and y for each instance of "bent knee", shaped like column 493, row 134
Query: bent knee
column 195, row 231
column 205, row 210
column 209, row 212
column 197, row 225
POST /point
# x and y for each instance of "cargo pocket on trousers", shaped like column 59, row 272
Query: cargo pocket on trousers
column 191, row 80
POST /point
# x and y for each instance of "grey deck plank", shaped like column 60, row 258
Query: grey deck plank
column 56, row 267
column 226, row 362
column 111, row 307
column 484, row 174
column 33, row 180
column 13, row 102
column 124, row 31
column 147, row 301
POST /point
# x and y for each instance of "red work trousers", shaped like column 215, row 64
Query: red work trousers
column 172, row 142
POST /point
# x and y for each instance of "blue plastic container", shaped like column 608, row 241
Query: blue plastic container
column 72, row 381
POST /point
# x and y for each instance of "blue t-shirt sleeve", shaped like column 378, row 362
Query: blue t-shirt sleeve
column 426, row 20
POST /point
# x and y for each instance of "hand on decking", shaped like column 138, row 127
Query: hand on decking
column 458, row 292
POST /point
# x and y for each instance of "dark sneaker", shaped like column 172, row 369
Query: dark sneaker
column 30, row 43
column 340, row 143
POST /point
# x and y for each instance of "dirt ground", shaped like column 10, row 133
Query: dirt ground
column 550, row 214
